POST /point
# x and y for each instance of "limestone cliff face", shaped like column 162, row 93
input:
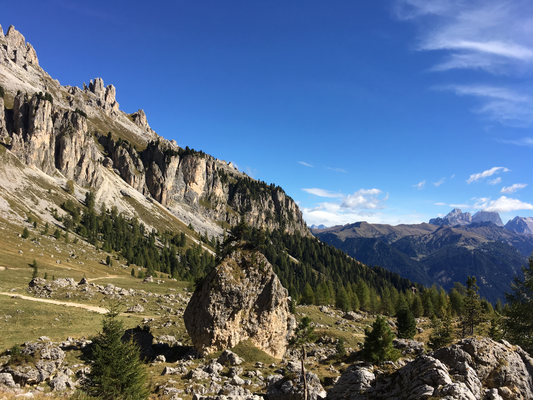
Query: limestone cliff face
column 56, row 128
column 242, row 298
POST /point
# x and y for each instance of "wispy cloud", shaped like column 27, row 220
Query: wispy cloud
column 336, row 169
column 306, row 164
column 513, row 188
column 440, row 182
column 493, row 36
column 526, row 141
column 495, row 181
column 504, row 105
column 322, row 192
column 420, row 185
column 503, row 204
column 441, row 204
column 485, row 174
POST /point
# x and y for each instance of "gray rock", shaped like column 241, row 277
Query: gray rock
column 407, row 346
column 229, row 358
column 137, row 308
column 293, row 389
column 7, row 380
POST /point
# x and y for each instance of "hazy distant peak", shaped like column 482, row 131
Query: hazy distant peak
column 520, row 225
column 487, row 216
column 453, row 218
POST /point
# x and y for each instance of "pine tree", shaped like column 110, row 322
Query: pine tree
column 117, row 371
column 25, row 233
column 472, row 308
column 442, row 334
column 308, row 297
column 519, row 322
column 378, row 342
column 341, row 301
column 406, row 323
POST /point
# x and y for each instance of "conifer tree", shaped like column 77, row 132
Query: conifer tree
column 25, row 233
column 308, row 297
column 406, row 323
column 442, row 334
column 117, row 371
column 519, row 322
column 341, row 301
column 378, row 342
column 472, row 309
column 363, row 294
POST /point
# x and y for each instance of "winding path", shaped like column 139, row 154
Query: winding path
column 99, row 310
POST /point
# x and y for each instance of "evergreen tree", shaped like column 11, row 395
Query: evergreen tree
column 363, row 294
column 341, row 301
column 496, row 327
column 25, row 233
column 519, row 322
column 340, row 349
column 472, row 309
column 405, row 323
column 117, row 371
column 416, row 307
column 308, row 297
column 442, row 334
column 378, row 342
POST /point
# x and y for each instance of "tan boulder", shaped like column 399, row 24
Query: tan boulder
column 242, row 298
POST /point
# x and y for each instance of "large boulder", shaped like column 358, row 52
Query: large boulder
column 473, row 368
column 240, row 299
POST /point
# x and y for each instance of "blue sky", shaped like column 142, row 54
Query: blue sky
column 380, row 111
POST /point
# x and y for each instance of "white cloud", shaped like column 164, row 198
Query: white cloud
column 485, row 174
column 441, row 204
column 306, row 164
column 490, row 35
column 440, row 182
column 363, row 199
column 503, row 204
column 420, row 185
column 495, row 181
column 513, row 188
column 322, row 192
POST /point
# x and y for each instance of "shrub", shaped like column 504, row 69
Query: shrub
column 25, row 233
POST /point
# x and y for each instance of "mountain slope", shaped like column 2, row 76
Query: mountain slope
column 430, row 254
column 82, row 135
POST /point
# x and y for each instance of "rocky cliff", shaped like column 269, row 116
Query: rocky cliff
column 453, row 218
column 78, row 132
column 241, row 299
column 520, row 225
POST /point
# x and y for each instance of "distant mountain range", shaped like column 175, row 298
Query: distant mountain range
column 445, row 251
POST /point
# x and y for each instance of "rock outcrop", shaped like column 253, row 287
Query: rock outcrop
column 467, row 370
column 62, row 129
column 242, row 298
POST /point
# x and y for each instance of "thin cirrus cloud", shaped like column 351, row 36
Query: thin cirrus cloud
column 306, row 164
column 525, row 141
column 440, row 182
column 493, row 36
column 513, row 188
column 504, row 105
column 420, row 185
column 486, row 174
column 322, row 193
column 495, row 181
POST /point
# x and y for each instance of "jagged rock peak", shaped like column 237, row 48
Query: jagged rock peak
column 1, row 32
column 240, row 299
column 140, row 120
column 17, row 49
column 97, row 87
column 453, row 218
column 520, row 225
column 487, row 216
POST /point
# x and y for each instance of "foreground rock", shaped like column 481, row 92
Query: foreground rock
column 468, row 370
column 242, row 298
